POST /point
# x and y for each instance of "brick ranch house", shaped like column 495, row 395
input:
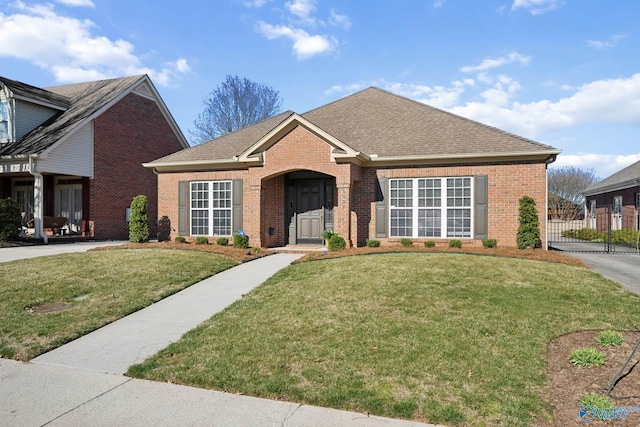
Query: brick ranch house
column 614, row 202
column 372, row 165
column 71, row 155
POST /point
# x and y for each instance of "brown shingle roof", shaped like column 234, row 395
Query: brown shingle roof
column 375, row 121
column 229, row 145
column 625, row 178
column 84, row 100
column 35, row 93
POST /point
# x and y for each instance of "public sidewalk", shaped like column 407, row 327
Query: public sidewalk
column 81, row 383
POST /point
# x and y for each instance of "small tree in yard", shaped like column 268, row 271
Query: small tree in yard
column 528, row 236
column 139, row 220
column 10, row 220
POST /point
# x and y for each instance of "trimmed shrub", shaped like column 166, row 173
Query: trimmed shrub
column 164, row 229
column 626, row 236
column 222, row 241
column 372, row 243
column 455, row 243
column 180, row 239
column 336, row 243
column 202, row 240
column 528, row 236
column 240, row 241
column 430, row 244
column 328, row 234
column 406, row 242
column 139, row 220
column 489, row 243
column 10, row 220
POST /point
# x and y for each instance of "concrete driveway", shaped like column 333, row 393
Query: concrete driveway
column 22, row 252
column 623, row 268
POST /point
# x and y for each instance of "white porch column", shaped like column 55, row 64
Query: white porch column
column 37, row 204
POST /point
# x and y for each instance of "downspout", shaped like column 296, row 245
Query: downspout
column 37, row 201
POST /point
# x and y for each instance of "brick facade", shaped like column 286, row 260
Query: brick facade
column 131, row 132
column 604, row 209
column 355, row 190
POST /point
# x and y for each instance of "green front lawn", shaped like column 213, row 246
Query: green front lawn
column 110, row 285
column 445, row 338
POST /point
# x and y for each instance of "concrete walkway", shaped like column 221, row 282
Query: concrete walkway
column 81, row 383
column 25, row 252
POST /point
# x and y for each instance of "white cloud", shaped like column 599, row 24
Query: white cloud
column 537, row 7
column 607, row 44
column 339, row 20
column 68, row 48
column 255, row 3
column 604, row 164
column 602, row 101
column 77, row 3
column 490, row 63
column 305, row 45
column 437, row 96
column 437, row 4
column 303, row 9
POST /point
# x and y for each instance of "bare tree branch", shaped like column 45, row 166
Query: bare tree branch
column 234, row 104
column 566, row 185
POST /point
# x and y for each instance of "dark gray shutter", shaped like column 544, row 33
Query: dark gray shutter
column 481, row 215
column 183, row 208
column 381, row 208
column 236, row 196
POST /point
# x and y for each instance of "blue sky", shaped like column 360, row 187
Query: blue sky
column 561, row 72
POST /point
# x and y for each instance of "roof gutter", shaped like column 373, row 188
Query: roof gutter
column 38, row 184
column 548, row 155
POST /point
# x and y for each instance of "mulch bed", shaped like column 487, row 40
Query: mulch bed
column 568, row 383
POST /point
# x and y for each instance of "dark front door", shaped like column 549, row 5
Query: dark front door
column 309, row 211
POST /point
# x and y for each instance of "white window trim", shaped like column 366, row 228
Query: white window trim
column 443, row 208
column 210, row 207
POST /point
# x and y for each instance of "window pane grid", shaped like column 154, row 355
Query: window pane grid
column 430, row 201
column 211, row 208
column 458, row 222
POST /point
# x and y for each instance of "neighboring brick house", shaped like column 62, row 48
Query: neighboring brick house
column 614, row 202
column 76, row 152
column 373, row 165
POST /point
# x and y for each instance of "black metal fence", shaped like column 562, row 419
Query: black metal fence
column 607, row 230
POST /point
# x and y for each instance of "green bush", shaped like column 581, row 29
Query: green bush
column 587, row 357
column 406, row 242
column 430, row 244
column 139, row 220
column 371, row 243
column 202, row 240
column 222, row 241
column 328, row 234
column 336, row 243
column 584, row 234
column 528, row 235
column 489, row 243
column 455, row 243
column 626, row 236
column 596, row 400
column 240, row 241
column 164, row 229
column 180, row 239
column 610, row 339
column 10, row 220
